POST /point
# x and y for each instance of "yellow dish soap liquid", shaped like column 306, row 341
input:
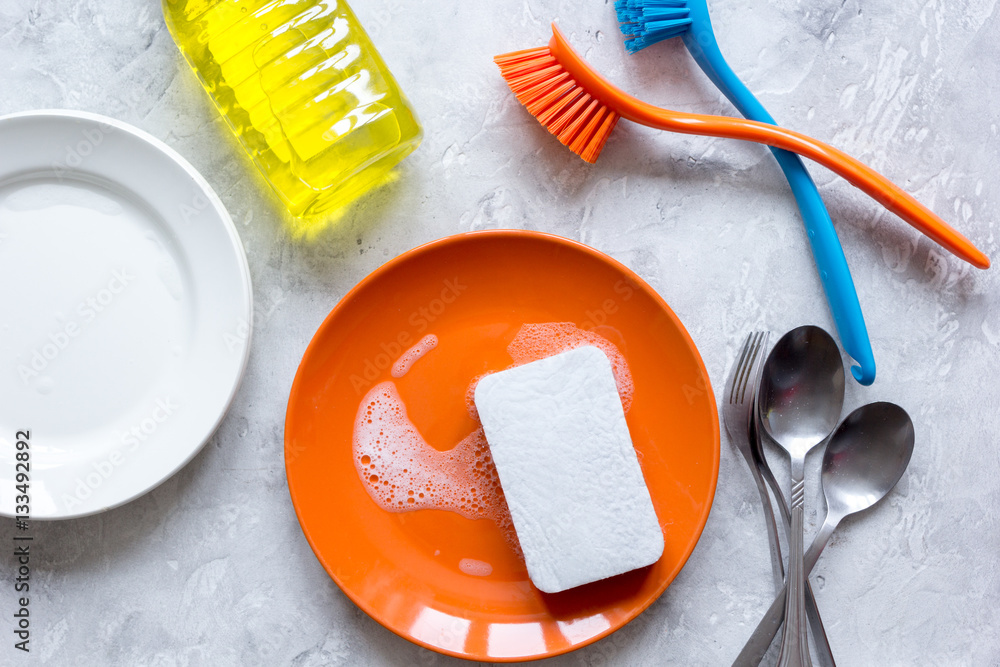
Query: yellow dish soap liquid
column 304, row 90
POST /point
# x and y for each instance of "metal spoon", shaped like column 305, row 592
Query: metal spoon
column 801, row 396
column 863, row 462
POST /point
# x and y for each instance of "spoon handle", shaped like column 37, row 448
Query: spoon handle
column 822, row 642
column 794, row 641
column 755, row 648
column 823, row 649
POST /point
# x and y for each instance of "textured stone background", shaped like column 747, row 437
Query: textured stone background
column 212, row 569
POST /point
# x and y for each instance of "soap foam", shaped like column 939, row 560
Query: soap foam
column 408, row 358
column 538, row 341
column 470, row 397
column 476, row 568
column 403, row 473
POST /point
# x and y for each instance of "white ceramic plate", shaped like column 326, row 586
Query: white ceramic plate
column 125, row 311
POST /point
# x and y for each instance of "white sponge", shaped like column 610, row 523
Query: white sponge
column 557, row 433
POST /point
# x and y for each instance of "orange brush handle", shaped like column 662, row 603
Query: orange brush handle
column 877, row 186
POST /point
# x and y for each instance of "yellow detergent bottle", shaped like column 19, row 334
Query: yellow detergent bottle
column 304, row 90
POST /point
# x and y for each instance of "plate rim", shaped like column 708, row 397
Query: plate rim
column 241, row 258
column 500, row 234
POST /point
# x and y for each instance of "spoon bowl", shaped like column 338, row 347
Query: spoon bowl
column 802, row 389
column 866, row 457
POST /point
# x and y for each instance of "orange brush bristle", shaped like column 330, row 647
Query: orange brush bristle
column 549, row 93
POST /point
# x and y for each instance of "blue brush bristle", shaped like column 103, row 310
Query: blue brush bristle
column 646, row 22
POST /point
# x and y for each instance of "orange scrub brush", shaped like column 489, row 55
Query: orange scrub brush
column 581, row 108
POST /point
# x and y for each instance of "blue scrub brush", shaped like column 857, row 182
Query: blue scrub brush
column 645, row 22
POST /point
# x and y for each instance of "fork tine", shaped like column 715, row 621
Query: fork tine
column 741, row 382
column 759, row 358
column 741, row 368
column 755, row 347
column 741, row 378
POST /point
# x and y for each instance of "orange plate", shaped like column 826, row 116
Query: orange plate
column 474, row 291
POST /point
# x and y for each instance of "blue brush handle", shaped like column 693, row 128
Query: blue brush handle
column 826, row 248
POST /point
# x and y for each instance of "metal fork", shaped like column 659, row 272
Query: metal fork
column 738, row 415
